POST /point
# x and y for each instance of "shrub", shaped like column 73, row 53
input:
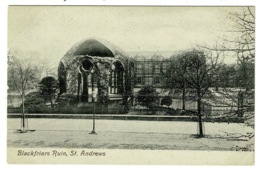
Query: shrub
column 148, row 97
column 34, row 103
column 33, row 98
column 116, row 108
column 167, row 100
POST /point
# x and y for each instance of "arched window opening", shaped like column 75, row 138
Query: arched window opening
column 117, row 79
column 87, row 65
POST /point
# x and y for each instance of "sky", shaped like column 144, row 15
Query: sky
column 49, row 31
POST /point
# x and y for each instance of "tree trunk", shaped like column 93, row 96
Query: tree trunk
column 23, row 114
column 200, row 117
column 183, row 96
column 51, row 101
column 240, row 104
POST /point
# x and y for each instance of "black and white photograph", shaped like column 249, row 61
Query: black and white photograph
column 86, row 81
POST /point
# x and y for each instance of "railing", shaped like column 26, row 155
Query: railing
column 129, row 105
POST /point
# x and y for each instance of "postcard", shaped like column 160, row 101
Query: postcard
column 131, row 85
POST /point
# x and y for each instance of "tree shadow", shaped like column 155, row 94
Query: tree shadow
column 19, row 131
column 197, row 136
column 227, row 137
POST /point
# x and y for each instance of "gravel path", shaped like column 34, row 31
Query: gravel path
column 122, row 134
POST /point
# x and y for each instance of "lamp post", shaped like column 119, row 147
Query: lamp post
column 94, row 95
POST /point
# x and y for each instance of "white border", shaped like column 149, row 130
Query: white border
column 134, row 2
column 3, row 43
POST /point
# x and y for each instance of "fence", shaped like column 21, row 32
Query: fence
column 211, row 106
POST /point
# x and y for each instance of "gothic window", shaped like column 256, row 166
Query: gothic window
column 157, row 68
column 164, row 67
column 148, row 81
column 139, row 80
column 157, row 80
column 148, row 67
column 139, row 68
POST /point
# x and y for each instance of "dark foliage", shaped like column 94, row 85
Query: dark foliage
column 34, row 102
column 167, row 100
column 148, row 97
column 33, row 98
column 48, row 87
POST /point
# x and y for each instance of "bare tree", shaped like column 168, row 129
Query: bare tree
column 22, row 76
column 244, row 43
column 240, row 42
column 244, row 29
column 201, row 68
column 177, row 74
